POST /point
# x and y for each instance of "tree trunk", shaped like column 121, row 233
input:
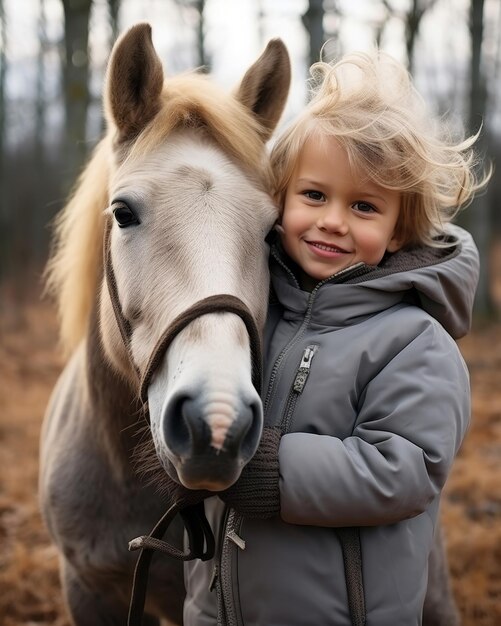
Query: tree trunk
column 76, row 82
column 203, row 60
column 313, row 21
column 476, row 217
column 114, row 11
column 4, row 222
column 412, row 23
column 38, row 216
column 494, row 104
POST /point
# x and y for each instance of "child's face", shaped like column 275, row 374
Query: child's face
column 333, row 217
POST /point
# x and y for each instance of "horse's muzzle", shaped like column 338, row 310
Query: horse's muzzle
column 189, row 432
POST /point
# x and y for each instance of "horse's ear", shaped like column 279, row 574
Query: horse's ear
column 134, row 82
column 265, row 86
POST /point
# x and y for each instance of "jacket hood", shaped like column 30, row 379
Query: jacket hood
column 442, row 281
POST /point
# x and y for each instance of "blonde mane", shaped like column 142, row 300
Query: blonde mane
column 76, row 258
column 75, row 267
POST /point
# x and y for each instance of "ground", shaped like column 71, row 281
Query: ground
column 29, row 365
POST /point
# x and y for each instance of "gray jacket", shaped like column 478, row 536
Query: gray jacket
column 366, row 380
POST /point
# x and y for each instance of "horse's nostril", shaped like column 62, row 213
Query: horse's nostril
column 176, row 429
column 243, row 436
column 185, row 429
column 253, row 435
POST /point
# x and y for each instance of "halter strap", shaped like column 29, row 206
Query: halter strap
column 219, row 303
column 122, row 321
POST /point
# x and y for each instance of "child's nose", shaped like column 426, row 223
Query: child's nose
column 333, row 219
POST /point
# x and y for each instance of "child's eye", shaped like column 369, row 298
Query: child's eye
column 316, row 196
column 364, row 207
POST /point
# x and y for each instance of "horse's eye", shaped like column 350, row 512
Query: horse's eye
column 124, row 215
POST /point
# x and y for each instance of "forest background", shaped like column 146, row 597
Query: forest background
column 53, row 57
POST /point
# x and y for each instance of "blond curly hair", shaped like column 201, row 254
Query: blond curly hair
column 369, row 104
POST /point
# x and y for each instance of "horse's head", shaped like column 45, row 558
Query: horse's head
column 188, row 215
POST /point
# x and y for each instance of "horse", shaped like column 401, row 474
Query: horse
column 170, row 315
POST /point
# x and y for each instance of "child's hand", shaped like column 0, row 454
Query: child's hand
column 256, row 493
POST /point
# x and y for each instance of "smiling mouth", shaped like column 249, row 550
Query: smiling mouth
column 326, row 247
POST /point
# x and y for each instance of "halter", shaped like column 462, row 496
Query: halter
column 219, row 303
column 200, row 536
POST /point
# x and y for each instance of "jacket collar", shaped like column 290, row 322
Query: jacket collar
column 442, row 281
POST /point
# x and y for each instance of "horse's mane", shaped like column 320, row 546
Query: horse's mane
column 75, row 266
column 76, row 257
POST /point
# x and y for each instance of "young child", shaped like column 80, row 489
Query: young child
column 366, row 396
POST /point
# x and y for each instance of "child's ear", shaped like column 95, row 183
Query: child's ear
column 394, row 244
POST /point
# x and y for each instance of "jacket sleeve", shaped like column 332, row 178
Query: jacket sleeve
column 412, row 418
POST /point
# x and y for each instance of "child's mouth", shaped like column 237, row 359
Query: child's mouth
column 324, row 249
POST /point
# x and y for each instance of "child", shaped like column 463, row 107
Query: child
column 366, row 396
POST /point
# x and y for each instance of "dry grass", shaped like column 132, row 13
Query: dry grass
column 28, row 563
column 30, row 593
column 472, row 507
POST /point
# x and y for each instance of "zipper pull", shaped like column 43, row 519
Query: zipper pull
column 237, row 540
column 304, row 369
column 213, row 579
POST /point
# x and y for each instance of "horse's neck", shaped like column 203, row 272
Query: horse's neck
column 114, row 403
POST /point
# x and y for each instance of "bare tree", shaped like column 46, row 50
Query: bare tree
column 380, row 25
column 3, row 72
column 478, row 93
column 495, row 106
column 476, row 219
column 412, row 18
column 203, row 59
column 38, row 216
column 40, row 88
column 114, row 12
column 313, row 21
column 76, row 81
column 3, row 199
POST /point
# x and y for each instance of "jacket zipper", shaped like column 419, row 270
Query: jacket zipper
column 215, row 582
column 228, row 603
column 278, row 363
column 302, row 373
column 221, row 580
column 231, row 522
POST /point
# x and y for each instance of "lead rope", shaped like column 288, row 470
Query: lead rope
column 201, row 545
column 352, row 557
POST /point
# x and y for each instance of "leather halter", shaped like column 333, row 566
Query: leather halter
column 219, row 303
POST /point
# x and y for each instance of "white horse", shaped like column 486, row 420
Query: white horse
column 178, row 193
